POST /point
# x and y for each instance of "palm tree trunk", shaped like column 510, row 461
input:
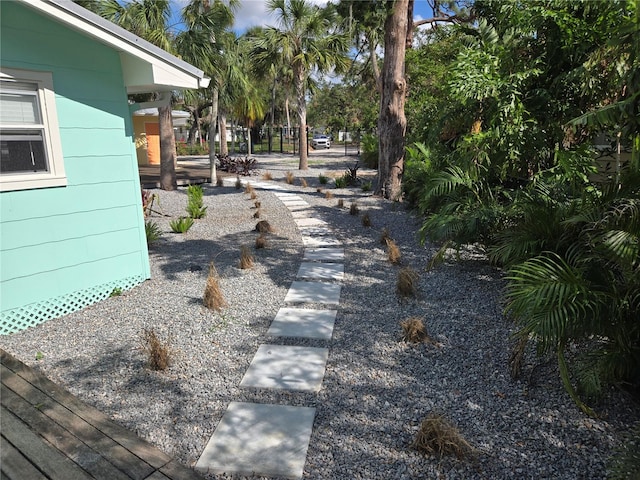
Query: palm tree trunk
column 392, row 123
column 167, row 149
column 224, row 149
column 302, row 115
column 212, row 136
column 286, row 107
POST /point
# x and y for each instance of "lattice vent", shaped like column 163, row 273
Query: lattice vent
column 35, row 313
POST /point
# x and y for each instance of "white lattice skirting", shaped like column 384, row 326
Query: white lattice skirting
column 35, row 313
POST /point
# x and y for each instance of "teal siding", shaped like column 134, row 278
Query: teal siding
column 59, row 243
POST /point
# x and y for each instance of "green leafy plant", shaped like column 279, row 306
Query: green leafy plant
column 322, row 179
column 39, row 356
column 152, row 231
column 181, row 225
column 341, row 182
column 116, row 292
column 370, row 151
column 367, row 186
column 195, row 207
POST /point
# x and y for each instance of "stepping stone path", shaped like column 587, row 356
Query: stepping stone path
column 272, row 440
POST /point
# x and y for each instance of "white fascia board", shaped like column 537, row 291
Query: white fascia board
column 146, row 68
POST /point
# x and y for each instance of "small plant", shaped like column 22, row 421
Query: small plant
column 152, row 231
column 158, row 353
column 261, row 241
column 219, row 182
column 341, row 182
column 249, row 188
column 303, row 182
column 406, row 285
column 256, row 214
column 253, row 195
column 238, row 184
column 328, row 195
column 116, row 292
column 393, row 252
column 148, row 200
column 264, row 227
column 384, row 236
column 367, row 186
column 319, row 189
column 438, row 436
column 354, row 210
column 195, row 207
column 323, row 179
column 267, row 176
column 413, row 330
column 366, row 220
column 246, row 259
column 257, row 204
column 213, row 298
column 289, row 177
column 340, row 203
column 181, row 225
column 39, row 356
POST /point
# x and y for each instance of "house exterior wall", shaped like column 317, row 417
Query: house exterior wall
column 64, row 248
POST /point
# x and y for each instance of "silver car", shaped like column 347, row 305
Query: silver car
column 320, row 141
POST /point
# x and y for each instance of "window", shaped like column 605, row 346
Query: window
column 30, row 151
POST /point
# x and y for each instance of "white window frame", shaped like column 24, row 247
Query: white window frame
column 55, row 177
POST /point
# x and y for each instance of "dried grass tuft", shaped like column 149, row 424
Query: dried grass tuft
column 264, row 227
column 257, row 204
column 257, row 214
column 384, row 236
column 219, row 182
column 246, row 258
column 261, row 241
column 438, row 436
column 238, row 183
column 290, row 178
column 249, row 188
column 303, row 182
column 267, row 176
column 253, row 195
column 393, row 252
column 340, row 203
column 319, row 189
column 366, row 220
column 213, row 298
column 158, row 352
column 406, row 285
column 414, row 331
column 353, row 209
column 328, row 195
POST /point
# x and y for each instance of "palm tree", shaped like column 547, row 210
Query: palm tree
column 305, row 41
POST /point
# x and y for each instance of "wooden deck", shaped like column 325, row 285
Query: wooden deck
column 47, row 433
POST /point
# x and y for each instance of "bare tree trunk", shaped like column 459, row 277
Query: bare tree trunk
column 167, row 149
column 298, row 73
column 224, row 149
column 286, row 107
column 212, row 137
column 392, row 123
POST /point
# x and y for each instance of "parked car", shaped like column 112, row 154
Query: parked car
column 320, row 141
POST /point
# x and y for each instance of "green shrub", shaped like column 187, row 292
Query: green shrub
column 181, row 225
column 194, row 201
column 183, row 149
column 152, row 230
column 369, row 153
column 367, row 186
column 342, row 182
column 323, row 179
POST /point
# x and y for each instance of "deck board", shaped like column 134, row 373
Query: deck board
column 83, row 440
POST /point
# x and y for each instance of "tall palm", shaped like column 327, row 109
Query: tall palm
column 305, row 40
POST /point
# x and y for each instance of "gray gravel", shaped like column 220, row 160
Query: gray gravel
column 376, row 389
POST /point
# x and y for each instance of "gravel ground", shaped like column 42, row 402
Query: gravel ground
column 376, row 389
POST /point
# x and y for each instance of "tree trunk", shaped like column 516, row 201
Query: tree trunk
column 286, row 107
column 212, row 136
column 224, row 149
column 167, row 149
column 392, row 123
column 298, row 73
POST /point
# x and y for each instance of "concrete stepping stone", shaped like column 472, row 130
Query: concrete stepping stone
column 265, row 440
column 296, row 203
column 286, row 367
column 321, row 271
column 301, row 213
column 313, row 292
column 326, row 254
column 304, row 323
column 294, row 208
column 320, row 241
column 291, row 198
column 315, row 230
column 309, row 222
column 285, row 194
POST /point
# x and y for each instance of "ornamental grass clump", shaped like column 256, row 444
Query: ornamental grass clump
column 261, row 241
column 213, row 298
column 406, row 284
column 384, row 236
column 238, row 184
column 219, row 182
column 413, row 330
column 354, row 209
column 246, row 259
column 267, row 176
column 158, row 352
column 152, row 231
column 257, row 204
column 264, row 227
column 393, row 251
column 249, row 188
column 323, row 179
column 181, row 225
column 303, row 182
column 340, row 203
column 328, row 195
column 366, row 220
column 257, row 214
column 290, row 178
column 438, row 436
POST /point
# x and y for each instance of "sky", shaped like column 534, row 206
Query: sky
column 254, row 12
